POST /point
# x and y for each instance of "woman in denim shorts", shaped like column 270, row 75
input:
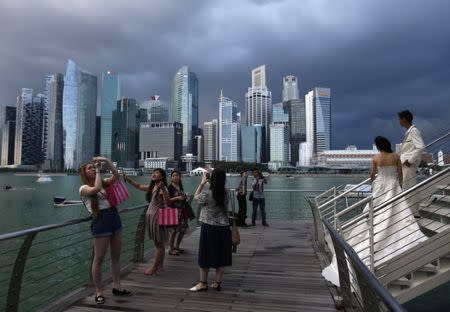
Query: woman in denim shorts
column 106, row 224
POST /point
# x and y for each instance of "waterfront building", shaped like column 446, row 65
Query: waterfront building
column 188, row 160
column 53, row 99
column 258, row 106
column 79, row 116
column 210, row 141
column 185, row 105
column 8, row 136
column 125, row 133
column 290, row 88
column 157, row 111
column 160, row 140
column 29, row 129
column 279, row 148
column 304, row 154
column 318, row 119
column 200, row 148
column 350, row 157
column 252, row 143
column 229, row 130
column 297, row 125
column 110, row 96
column 279, row 113
column 165, row 163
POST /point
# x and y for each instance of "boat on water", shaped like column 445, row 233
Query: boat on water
column 62, row 202
column 43, row 178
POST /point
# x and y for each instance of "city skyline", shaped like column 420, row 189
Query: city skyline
column 390, row 60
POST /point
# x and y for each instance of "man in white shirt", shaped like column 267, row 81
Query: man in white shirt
column 410, row 155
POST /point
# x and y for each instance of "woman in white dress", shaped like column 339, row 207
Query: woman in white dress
column 395, row 228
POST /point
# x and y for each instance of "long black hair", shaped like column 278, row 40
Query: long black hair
column 217, row 187
column 148, row 196
column 179, row 182
column 383, row 144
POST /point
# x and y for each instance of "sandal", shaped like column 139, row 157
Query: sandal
column 216, row 285
column 200, row 288
column 150, row 271
column 99, row 299
column 179, row 250
column 174, row 252
column 123, row 292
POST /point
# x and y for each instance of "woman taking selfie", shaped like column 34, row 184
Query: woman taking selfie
column 158, row 197
column 106, row 227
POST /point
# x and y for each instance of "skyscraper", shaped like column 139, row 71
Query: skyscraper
column 125, row 133
column 79, row 116
column 29, row 128
column 290, row 88
column 229, row 130
column 297, row 125
column 9, row 133
column 259, row 105
column 279, row 140
column 160, row 139
column 185, row 105
column 53, row 99
column 252, row 143
column 318, row 119
column 210, row 141
column 157, row 111
column 110, row 95
column 279, row 113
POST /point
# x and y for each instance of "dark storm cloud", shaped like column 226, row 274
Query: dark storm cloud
column 378, row 57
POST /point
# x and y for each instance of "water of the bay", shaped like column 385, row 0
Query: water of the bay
column 63, row 256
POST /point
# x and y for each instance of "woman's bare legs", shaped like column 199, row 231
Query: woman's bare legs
column 100, row 248
column 116, row 245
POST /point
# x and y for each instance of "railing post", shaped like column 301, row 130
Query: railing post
column 334, row 207
column 15, row 283
column 290, row 207
column 139, row 237
column 371, row 236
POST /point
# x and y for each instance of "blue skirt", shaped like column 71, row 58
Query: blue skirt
column 215, row 246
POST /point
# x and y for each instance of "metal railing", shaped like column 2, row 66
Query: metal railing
column 48, row 255
column 359, row 287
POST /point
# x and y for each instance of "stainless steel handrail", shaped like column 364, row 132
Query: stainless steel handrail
column 364, row 275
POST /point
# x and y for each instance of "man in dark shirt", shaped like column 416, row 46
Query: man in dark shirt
column 242, row 200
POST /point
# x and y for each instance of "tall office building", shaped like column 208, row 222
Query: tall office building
column 29, row 129
column 252, row 143
column 53, row 99
column 279, row 140
column 125, row 133
column 229, row 130
column 110, row 96
column 185, row 105
column 210, row 141
column 157, row 110
column 8, row 136
column 318, row 119
column 259, row 105
column 290, row 88
column 279, row 113
column 79, row 116
column 160, row 139
column 297, row 125
column 200, row 148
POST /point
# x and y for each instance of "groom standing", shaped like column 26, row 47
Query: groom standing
column 410, row 155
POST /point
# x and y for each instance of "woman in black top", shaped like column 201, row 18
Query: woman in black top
column 178, row 200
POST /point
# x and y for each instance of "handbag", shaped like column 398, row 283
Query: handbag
column 235, row 237
column 117, row 193
column 189, row 211
column 168, row 216
column 250, row 197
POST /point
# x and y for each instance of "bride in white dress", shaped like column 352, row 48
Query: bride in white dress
column 395, row 227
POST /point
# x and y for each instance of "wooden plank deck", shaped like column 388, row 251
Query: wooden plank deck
column 275, row 269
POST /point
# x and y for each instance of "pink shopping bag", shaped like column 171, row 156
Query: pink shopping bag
column 167, row 216
column 117, row 193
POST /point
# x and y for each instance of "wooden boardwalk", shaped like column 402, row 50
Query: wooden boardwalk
column 275, row 269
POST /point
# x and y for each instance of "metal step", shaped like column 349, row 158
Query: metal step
column 432, row 225
column 402, row 281
column 441, row 200
column 442, row 213
column 429, row 268
column 445, row 189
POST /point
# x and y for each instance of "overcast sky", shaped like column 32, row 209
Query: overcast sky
column 378, row 57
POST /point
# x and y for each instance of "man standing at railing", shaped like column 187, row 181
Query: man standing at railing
column 242, row 200
column 410, row 155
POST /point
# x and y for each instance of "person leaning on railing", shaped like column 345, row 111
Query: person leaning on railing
column 106, row 227
column 158, row 197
